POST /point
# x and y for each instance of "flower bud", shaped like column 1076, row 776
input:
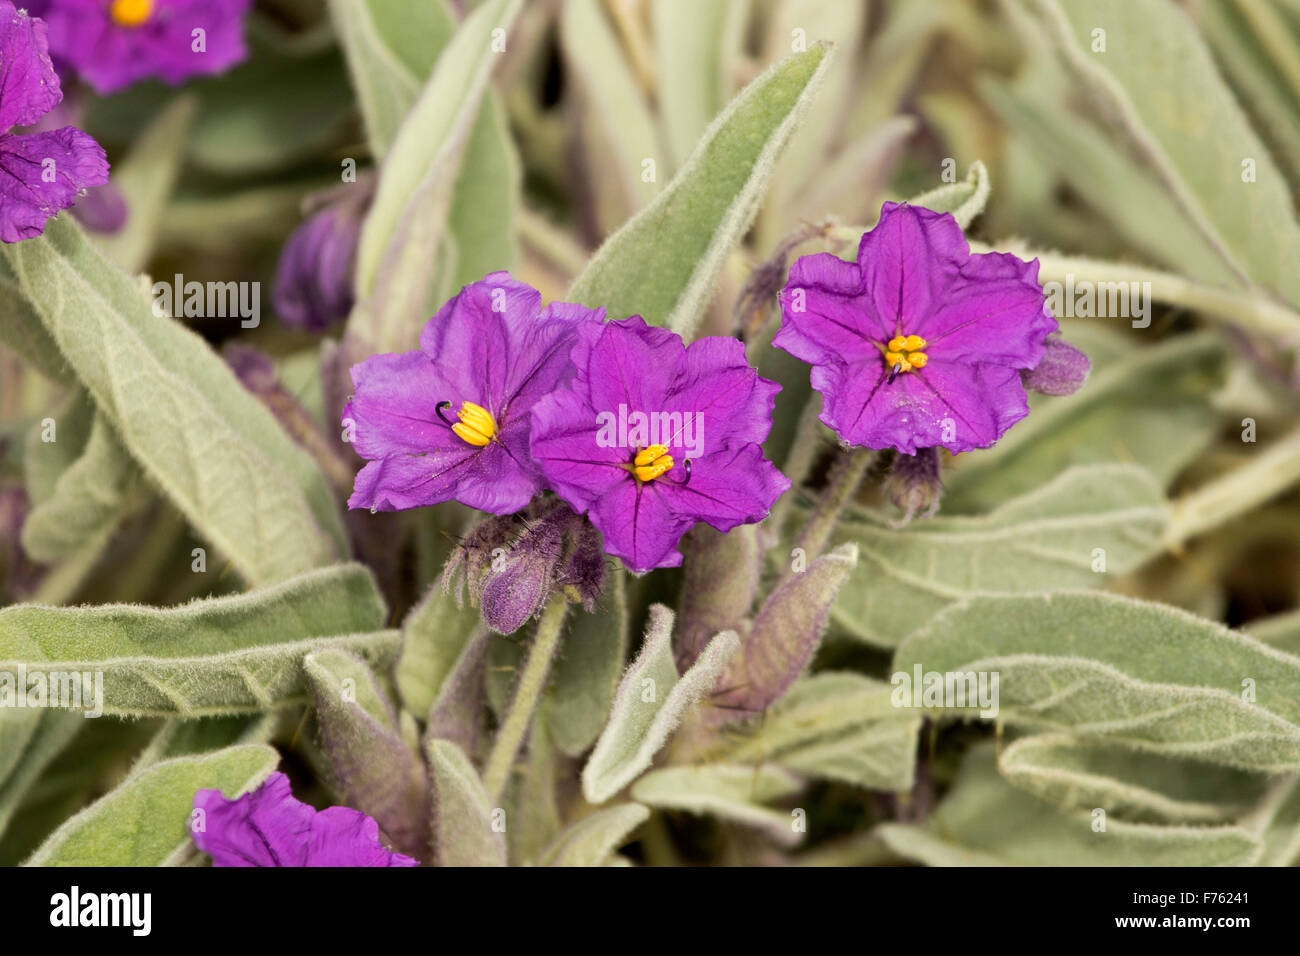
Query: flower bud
column 313, row 282
column 915, row 483
column 1062, row 371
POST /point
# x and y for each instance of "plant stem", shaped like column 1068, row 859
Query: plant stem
column 1224, row 499
column 510, row 736
column 846, row 474
column 808, row 437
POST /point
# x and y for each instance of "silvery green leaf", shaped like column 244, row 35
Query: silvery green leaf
column 17, row 728
column 965, row 200
column 434, row 635
column 1281, row 631
column 457, row 712
column 734, row 793
column 533, row 798
column 1276, row 821
column 720, row 585
column 649, row 703
column 23, row 332
column 1149, row 405
column 1142, row 675
column 1139, row 787
column 431, row 139
column 45, row 462
column 87, row 500
column 785, row 634
column 1250, row 224
column 586, row 671
column 852, row 182
column 146, row 178
column 836, row 725
column 373, row 769
column 984, row 821
column 154, row 808
column 663, row 264
column 52, row 732
column 210, row 445
column 1046, row 539
column 619, row 131
column 593, row 839
column 465, row 829
column 210, row 657
column 695, row 44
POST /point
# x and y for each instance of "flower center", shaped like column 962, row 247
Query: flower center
column 476, row 425
column 651, row 462
column 903, row 353
column 131, row 13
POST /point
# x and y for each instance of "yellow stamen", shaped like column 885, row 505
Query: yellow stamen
column 131, row 13
column 904, row 353
column 476, row 425
column 651, row 462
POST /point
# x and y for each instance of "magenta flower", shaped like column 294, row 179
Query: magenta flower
column 268, row 827
column 652, row 437
column 313, row 281
column 918, row 344
column 114, row 43
column 44, row 172
column 451, row 420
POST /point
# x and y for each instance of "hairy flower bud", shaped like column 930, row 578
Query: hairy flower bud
column 915, row 483
column 313, row 282
column 1062, row 371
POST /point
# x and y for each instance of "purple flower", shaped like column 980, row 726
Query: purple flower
column 44, row 172
column 451, row 420
column 919, row 343
column 268, row 827
column 313, row 283
column 114, row 43
column 652, row 437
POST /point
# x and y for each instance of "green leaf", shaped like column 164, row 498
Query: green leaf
column 1044, row 540
column 592, row 840
column 211, row 446
column 720, row 584
column 373, row 770
column 649, row 703
column 463, row 827
column 24, row 333
column 1143, row 675
column 154, row 808
column 585, row 674
column 664, row 263
column 1276, row 821
column 216, row 656
column 52, row 730
column 88, row 499
column 1149, row 406
column 434, row 634
column 1195, row 141
column 984, row 821
column 965, row 200
column 146, row 179
column 45, row 462
column 836, row 725
column 733, row 793
column 1139, row 787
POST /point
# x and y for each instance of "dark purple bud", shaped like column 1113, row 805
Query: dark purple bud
column 1062, row 371
column 313, row 282
column 915, row 483
column 583, row 573
column 103, row 209
column 521, row 579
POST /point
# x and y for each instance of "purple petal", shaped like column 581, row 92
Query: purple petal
column 111, row 56
column 734, row 404
column 908, row 261
column 565, row 444
column 639, row 526
column 29, row 87
column 27, row 201
column 827, row 315
column 268, row 827
column 103, row 209
column 628, row 363
column 313, row 281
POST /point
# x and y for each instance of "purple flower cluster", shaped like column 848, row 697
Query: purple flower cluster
column 506, row 398
column 44, row 172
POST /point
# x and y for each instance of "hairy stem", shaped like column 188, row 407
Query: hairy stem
column 528, row 691
column 846, row 474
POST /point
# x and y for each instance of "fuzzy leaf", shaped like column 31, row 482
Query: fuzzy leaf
column 434, row 635
column 463, row 833
column 374, row 771
column 154, row 808
column 1134, row 786
column 649, row 703
column 51, row 733
column 984, row 821
column 733, row 793
column 965, row 200
column 592, row 840
column 1143, row 675
column 216, row 656
column 784, row 636
column 719, row 587
column 663, row 264
column 1276, row 821
column 212, row 447
column 836, row 725
column 1043, row 540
